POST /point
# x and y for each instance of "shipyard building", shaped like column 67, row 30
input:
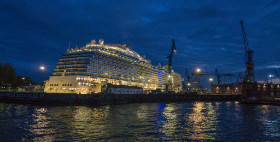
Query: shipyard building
column 86, row 69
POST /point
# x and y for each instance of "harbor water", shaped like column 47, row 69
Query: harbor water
column 206, row 121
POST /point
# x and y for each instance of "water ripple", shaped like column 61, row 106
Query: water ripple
column 198, row 121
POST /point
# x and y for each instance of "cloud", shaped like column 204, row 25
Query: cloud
column 207, row 33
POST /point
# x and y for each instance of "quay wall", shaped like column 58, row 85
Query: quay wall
column 36, row 98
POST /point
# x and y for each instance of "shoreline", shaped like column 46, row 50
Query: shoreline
column 60, row 99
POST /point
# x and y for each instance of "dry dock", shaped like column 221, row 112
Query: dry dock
column 36, row 98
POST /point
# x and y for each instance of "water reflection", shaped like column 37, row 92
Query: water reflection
column 265, row 109
column 200, row 121
column 186, row 121
column 171, row 120
column 40, row 129
column 83, row 124
column 270, row 127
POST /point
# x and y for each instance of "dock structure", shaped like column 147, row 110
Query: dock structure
column 260, row 93
column 105, row 99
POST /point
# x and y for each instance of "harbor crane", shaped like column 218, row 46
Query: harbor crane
column 239, row 78
column 249, row 74
column 169, row 67
column 188, row 78
column 197, row 74
column 218, row 75
column 188, row 81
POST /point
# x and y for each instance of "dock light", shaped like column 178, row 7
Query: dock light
column 210, row 79
column 198, row 70
column 189, row 84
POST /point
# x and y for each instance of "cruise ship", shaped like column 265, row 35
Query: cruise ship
column 84, row 70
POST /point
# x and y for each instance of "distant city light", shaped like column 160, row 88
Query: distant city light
column 211, row 79
column 198, row 70
column 189, row 84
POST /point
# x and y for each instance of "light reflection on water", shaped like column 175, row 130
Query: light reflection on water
column 206, row 121
column 40, row 126
column 201, row 120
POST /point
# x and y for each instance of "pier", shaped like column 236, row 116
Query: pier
column 36, row 98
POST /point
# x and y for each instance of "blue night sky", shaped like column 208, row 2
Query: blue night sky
column 207, row 33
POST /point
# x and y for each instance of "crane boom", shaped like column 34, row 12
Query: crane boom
column 173, row 49
column 249, row 74
column 245, row 41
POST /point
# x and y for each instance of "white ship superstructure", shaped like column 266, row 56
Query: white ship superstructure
column 84, row 70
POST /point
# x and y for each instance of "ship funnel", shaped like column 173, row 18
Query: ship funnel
column 93, row 42
column 101, row 41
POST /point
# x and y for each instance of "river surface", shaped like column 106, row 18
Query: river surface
column 199, row 121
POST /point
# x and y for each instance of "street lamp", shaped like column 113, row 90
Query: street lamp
column 23, row 79
column 42, row 68
column 198, row 77
column 211, row 80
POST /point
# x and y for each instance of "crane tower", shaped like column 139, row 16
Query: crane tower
column 249, row 74
column 169, row 67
